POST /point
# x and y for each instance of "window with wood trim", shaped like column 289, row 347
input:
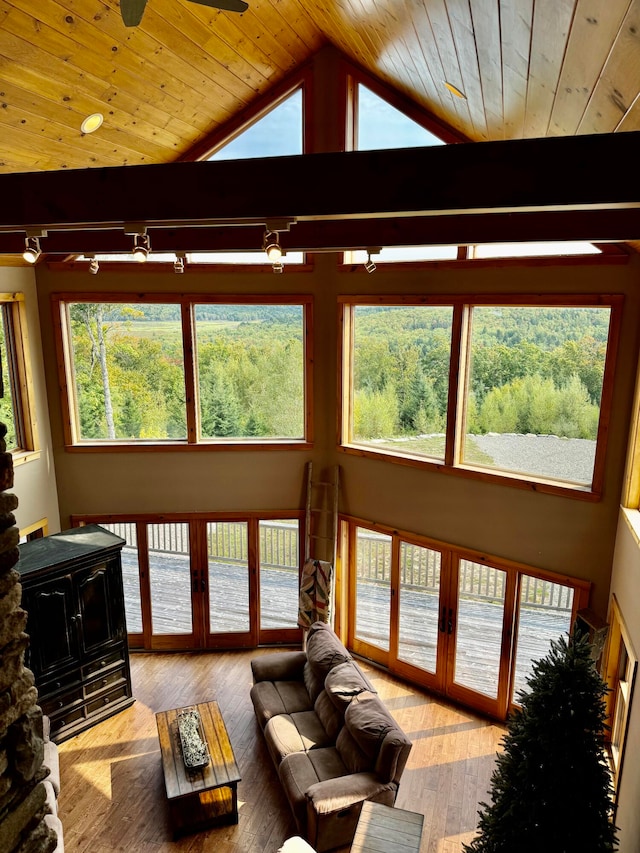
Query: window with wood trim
column 185, row 371
column 515, row 388
column 620, row 669
column 16, row 403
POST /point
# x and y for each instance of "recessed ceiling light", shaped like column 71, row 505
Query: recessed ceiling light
column 92, row 123
column 455, row 91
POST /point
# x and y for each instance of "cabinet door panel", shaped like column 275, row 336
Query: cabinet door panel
column 95, row 607
column 52, row 626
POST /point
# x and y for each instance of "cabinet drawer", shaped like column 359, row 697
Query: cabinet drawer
column 66, row 717
column 106, row 680
column 60, row 682
column 113, row 658
column 57, row 703
column 94, row 705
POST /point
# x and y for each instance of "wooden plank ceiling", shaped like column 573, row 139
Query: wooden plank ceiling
column 527, row 69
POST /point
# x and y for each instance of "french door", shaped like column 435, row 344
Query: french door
column 216, row 581
column 451, row 620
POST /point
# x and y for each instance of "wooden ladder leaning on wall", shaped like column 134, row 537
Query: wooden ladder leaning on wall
column 321, row 527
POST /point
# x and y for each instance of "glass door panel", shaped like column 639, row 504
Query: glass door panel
column 544, row 615
column 419, row 607
column 130, row 573
column 480, row 614
column 279, row 546
column 170, row 578
column 228, row 564
column 373, row 588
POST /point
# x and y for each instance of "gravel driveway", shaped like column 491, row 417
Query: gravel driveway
column 545, row 455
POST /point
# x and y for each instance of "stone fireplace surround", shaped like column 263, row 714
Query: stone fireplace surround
column 29, row 771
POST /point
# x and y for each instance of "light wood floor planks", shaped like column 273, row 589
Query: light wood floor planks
column 113, row 797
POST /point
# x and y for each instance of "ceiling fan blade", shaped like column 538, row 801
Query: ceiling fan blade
column 226, row 5
column 132, row 11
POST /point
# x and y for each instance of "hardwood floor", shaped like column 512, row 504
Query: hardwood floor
column 112, row 791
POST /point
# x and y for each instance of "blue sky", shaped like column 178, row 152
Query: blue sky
column 279, row 132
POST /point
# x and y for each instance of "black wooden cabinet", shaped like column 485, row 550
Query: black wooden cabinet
column 72, row 592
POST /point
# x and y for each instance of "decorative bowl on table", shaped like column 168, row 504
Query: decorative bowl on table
column 195, row 752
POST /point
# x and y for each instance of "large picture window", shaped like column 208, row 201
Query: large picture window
column 508, row 388
column 185, row 371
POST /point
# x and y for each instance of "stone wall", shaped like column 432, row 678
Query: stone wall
column 23, row 794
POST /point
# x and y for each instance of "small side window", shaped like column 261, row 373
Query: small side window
column 17, row 391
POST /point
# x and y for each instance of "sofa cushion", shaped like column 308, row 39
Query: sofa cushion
column 377, row 734
column 279, row 697
column 287, row 733
column 345, row 681
column 313, row 681
column 352, row 755
column 330, row 717
column 296, row 775
column 324, row 649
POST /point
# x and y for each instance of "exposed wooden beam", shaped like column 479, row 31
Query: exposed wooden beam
column 470, row 192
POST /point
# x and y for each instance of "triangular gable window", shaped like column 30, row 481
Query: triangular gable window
column 382, row 126
column 277, row 134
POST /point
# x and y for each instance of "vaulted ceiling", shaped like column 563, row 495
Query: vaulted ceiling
column 527, row 68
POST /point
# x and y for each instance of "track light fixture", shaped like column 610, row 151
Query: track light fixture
column 278, row 266
column 369, row 264
column 178, row 264
column 271, row 246
column 32, row 249
column 94, row 266
column 141, row 247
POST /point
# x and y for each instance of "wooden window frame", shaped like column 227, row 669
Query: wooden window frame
column 59, row 302
column 618, row 643
column 19, row 369
column 458, row 367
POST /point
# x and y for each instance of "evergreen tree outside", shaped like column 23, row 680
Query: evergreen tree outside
column 551, row 787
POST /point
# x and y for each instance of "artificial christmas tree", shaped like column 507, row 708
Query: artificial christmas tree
column 551, row 787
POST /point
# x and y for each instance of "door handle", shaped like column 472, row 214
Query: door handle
column 443, row 620
column 450, row 622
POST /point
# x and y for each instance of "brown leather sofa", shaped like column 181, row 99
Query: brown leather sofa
column 330, row 736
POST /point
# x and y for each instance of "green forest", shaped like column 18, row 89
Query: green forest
column 129, row 371
column 532, row 370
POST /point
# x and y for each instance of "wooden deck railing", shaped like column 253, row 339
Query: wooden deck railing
column 419, row 566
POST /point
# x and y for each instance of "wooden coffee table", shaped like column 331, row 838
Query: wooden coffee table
column 383, row 828
column 199, row 799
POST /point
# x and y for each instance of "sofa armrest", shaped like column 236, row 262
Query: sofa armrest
column 334, row 806
column 279, row 666
column 342, row 792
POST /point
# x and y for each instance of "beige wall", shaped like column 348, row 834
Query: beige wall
column 557, row 533
column 34, row 481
